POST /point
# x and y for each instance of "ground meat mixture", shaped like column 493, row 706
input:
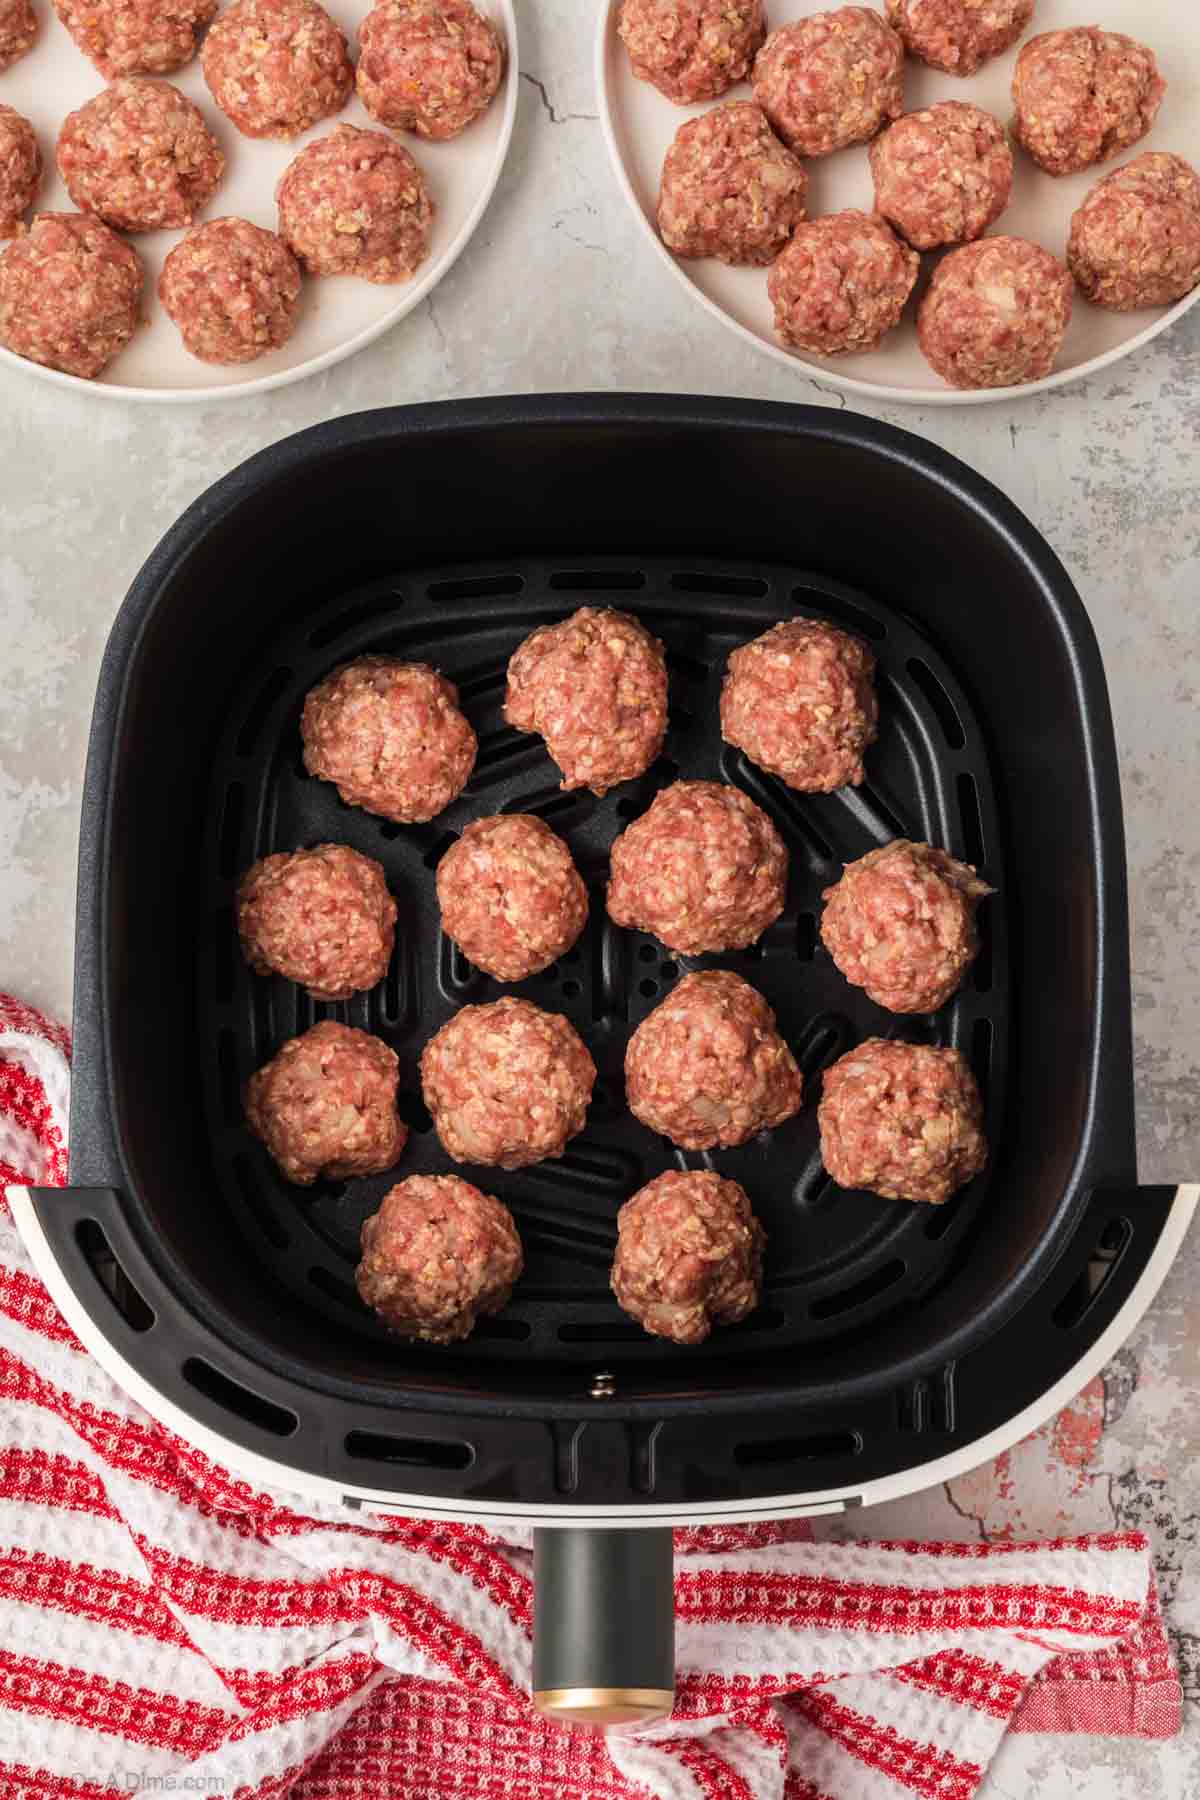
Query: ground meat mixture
column 831, row 80
column 1135, row 241
column 708, row 1068
column 275, row 67
column 429, row 66
column 323, row 918
column 233, row 289
column 390, row 736
column 689, row 1255
column 800, row 702
column 507, row 1084
column 20, row 169
column 692, row 49
column 901, row 924
column 136, row 37
column 703, row 870
column 942, row 176
column 18, row 30
column 326, row 1105
column 70, row 294
column 842, row 284
column 511, row 897
column 995, row 314
column 140, row 157
column 1083, row 95
column 730, row 189
column 436, row 1256
column 356, row 203
column 902, row 1120
column 595, row 687
column 959, row 36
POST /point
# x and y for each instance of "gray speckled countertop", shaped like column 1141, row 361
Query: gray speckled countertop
column 557, row 292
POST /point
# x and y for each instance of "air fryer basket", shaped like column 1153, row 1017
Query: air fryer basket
column 887, row 1334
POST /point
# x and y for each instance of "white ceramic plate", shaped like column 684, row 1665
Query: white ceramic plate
column 338, row 315
column 639, row 125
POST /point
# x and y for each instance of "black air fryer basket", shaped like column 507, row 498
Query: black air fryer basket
column 889, row 1335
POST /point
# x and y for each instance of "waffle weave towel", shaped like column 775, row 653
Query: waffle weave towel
column 166, row 1626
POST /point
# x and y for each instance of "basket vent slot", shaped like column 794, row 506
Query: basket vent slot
column 1095, row 1275
column 806, row 936
column 869, row 1288
column 224, row 935
column 738, row 587
column 416, row 1453
column 270, row 691
column 818, row 1446
column 837, row 607
column 597, row 581
column 232, row 1397
column 816, row 1188
column 476, row 587
column 101, row 1260
column 264, row 1217
column 982, row 1037
column 941, row 705
column 352, row 617
column 972, row 822
column 231, row 828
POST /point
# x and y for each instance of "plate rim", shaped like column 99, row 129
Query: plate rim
column 412, row 295
column 818, row 371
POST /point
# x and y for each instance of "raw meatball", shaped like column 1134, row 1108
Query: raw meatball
column 70, row 294
column 689, row 1255
column 326, row 1105
column 831, row 80
column 730, row 189
column 511, row 897
column 902, row 1120
column 995, row 314
column 692, row 49
column 390, row 737
column 841, row 284
column 436, row 1255
column 20, row 169
column 356, row 203
column 959, row 36
column 942, row 176
column 800, row 702
column 901, row 924
column 429, row 66
column 703, row 870
column 233, row 289
column 140, row 157
column 136, row 37
column 1135, row 241
column 275, row 67
column 708, row 1067
column 1083, row 95
column 323, row 918
column 595, row 687
column 507, row 1083
column 18, row 30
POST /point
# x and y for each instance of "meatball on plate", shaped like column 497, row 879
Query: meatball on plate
column 279, row 225
column 919, row 127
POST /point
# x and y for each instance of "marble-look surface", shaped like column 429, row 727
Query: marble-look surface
column 557, row 292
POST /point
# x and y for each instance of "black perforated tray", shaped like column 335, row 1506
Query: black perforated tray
column 836, row 1261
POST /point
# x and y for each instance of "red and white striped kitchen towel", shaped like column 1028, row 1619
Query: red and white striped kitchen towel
column 167, row 1626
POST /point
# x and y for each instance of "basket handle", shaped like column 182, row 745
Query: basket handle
column 604, row 1626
